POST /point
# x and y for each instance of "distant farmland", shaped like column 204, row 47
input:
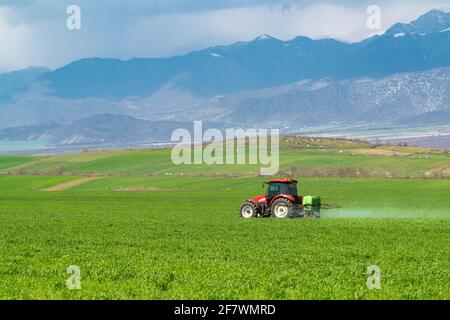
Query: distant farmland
column 301, row 157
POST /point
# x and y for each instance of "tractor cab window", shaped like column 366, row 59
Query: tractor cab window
column 274, row 190
column 282, row 188
column 292, row 190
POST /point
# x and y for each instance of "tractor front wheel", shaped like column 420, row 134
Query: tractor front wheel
column 281, row 208
column 248, row 210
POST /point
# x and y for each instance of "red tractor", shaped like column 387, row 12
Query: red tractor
column 281, row 201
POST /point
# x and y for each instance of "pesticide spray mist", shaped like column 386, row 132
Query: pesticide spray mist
column 383, row 213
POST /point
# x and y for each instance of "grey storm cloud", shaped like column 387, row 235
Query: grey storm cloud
column 33, row 32
column 31, row 10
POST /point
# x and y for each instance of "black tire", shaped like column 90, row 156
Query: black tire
column 248, row 210
column 281, row 208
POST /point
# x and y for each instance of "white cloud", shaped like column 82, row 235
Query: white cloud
column 15, row 42
column 187, row 31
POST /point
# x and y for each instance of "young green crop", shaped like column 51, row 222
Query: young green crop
column 183, row 239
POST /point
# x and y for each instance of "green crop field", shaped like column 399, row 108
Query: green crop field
column 12, row 161
column 301, row 157
column 146, row 229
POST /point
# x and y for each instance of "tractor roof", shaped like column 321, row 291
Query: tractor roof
column 287, row 180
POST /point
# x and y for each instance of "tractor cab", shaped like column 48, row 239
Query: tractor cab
column 282, row 187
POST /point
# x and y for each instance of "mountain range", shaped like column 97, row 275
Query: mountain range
column 399, row 78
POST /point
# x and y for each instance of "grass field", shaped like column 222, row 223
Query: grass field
column 156, row 236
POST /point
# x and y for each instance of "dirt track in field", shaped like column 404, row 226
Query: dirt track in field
column 71, row 184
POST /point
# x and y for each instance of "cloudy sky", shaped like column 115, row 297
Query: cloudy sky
column 34, row 32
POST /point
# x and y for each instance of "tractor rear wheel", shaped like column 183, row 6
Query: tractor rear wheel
column 281, row 208
column 248, row 210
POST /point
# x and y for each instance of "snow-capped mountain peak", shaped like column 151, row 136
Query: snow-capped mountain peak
column 431, row 22
column 265, row 37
